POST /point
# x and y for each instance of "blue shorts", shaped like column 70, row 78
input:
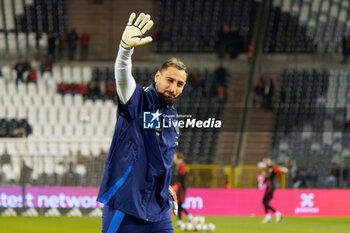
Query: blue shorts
column 115, row 221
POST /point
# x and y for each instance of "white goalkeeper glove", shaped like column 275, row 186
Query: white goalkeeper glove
column 132, row 35
column 284, row 169
column 173, row 198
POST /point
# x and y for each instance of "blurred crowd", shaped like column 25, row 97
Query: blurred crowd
column 301, row 177
column 217, row 90
column 229, row 41
column 264, row 92
column 26, row 71
column 100, row 89
column 65, row 46
column 338, row 176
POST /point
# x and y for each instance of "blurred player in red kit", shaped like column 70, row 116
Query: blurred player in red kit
column 180, row 183
column 271, row 171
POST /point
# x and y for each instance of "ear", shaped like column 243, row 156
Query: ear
column 157, row 76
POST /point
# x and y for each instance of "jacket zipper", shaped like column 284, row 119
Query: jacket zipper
column 167, row 142
column 149, row 199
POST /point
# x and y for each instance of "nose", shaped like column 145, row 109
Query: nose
column 172, row 88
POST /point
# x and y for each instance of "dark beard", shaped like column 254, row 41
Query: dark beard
column 165, row 100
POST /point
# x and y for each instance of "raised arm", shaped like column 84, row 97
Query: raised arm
column 280, row 169
column 132, row 37
column 124, row 80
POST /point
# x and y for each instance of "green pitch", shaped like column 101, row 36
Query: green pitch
column 223, row 225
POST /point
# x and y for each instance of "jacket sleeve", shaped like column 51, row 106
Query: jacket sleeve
column 124, row 80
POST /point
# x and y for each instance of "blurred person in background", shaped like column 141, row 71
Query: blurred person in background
column 102, row 156
column 81, row 159
column 236, row 43
column 156, row 34
column 221, row 75
column 269, row 89
column 343, row 175
column 312, row 177
column 292, row 171
column 195, row 82
column 299, row 181
column 27, row 64
column 135, row 187
column 45, row 65
column 102, row 87
column 25, row 175
column 221, row 94
column 82, row 89
column 20, row 69
column 330, row 181
column 259, row 92
column 72, row 40
column 180, row 184
column 2, row 177
column 62, row 47
column 271, row 172
column 84, row 46
column 345, row 49
column 70, row 177
column 93, row 89
column 38, row 37
column 218, row 89
column 223, row 42
column 32, row 76
column 5, row 158
column 51, row 49
column 335, row 172
column 62, row 88
column 111, row 90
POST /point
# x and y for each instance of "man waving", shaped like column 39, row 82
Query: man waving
column 135, row 183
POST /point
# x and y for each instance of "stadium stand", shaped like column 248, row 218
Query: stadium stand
column 310, row 120
column 24, row 25
column 58, row 122
column 304, row 26
column 175, row 34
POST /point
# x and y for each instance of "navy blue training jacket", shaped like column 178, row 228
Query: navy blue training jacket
column 137, row 172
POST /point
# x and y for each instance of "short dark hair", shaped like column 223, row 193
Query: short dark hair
column 174, row 62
